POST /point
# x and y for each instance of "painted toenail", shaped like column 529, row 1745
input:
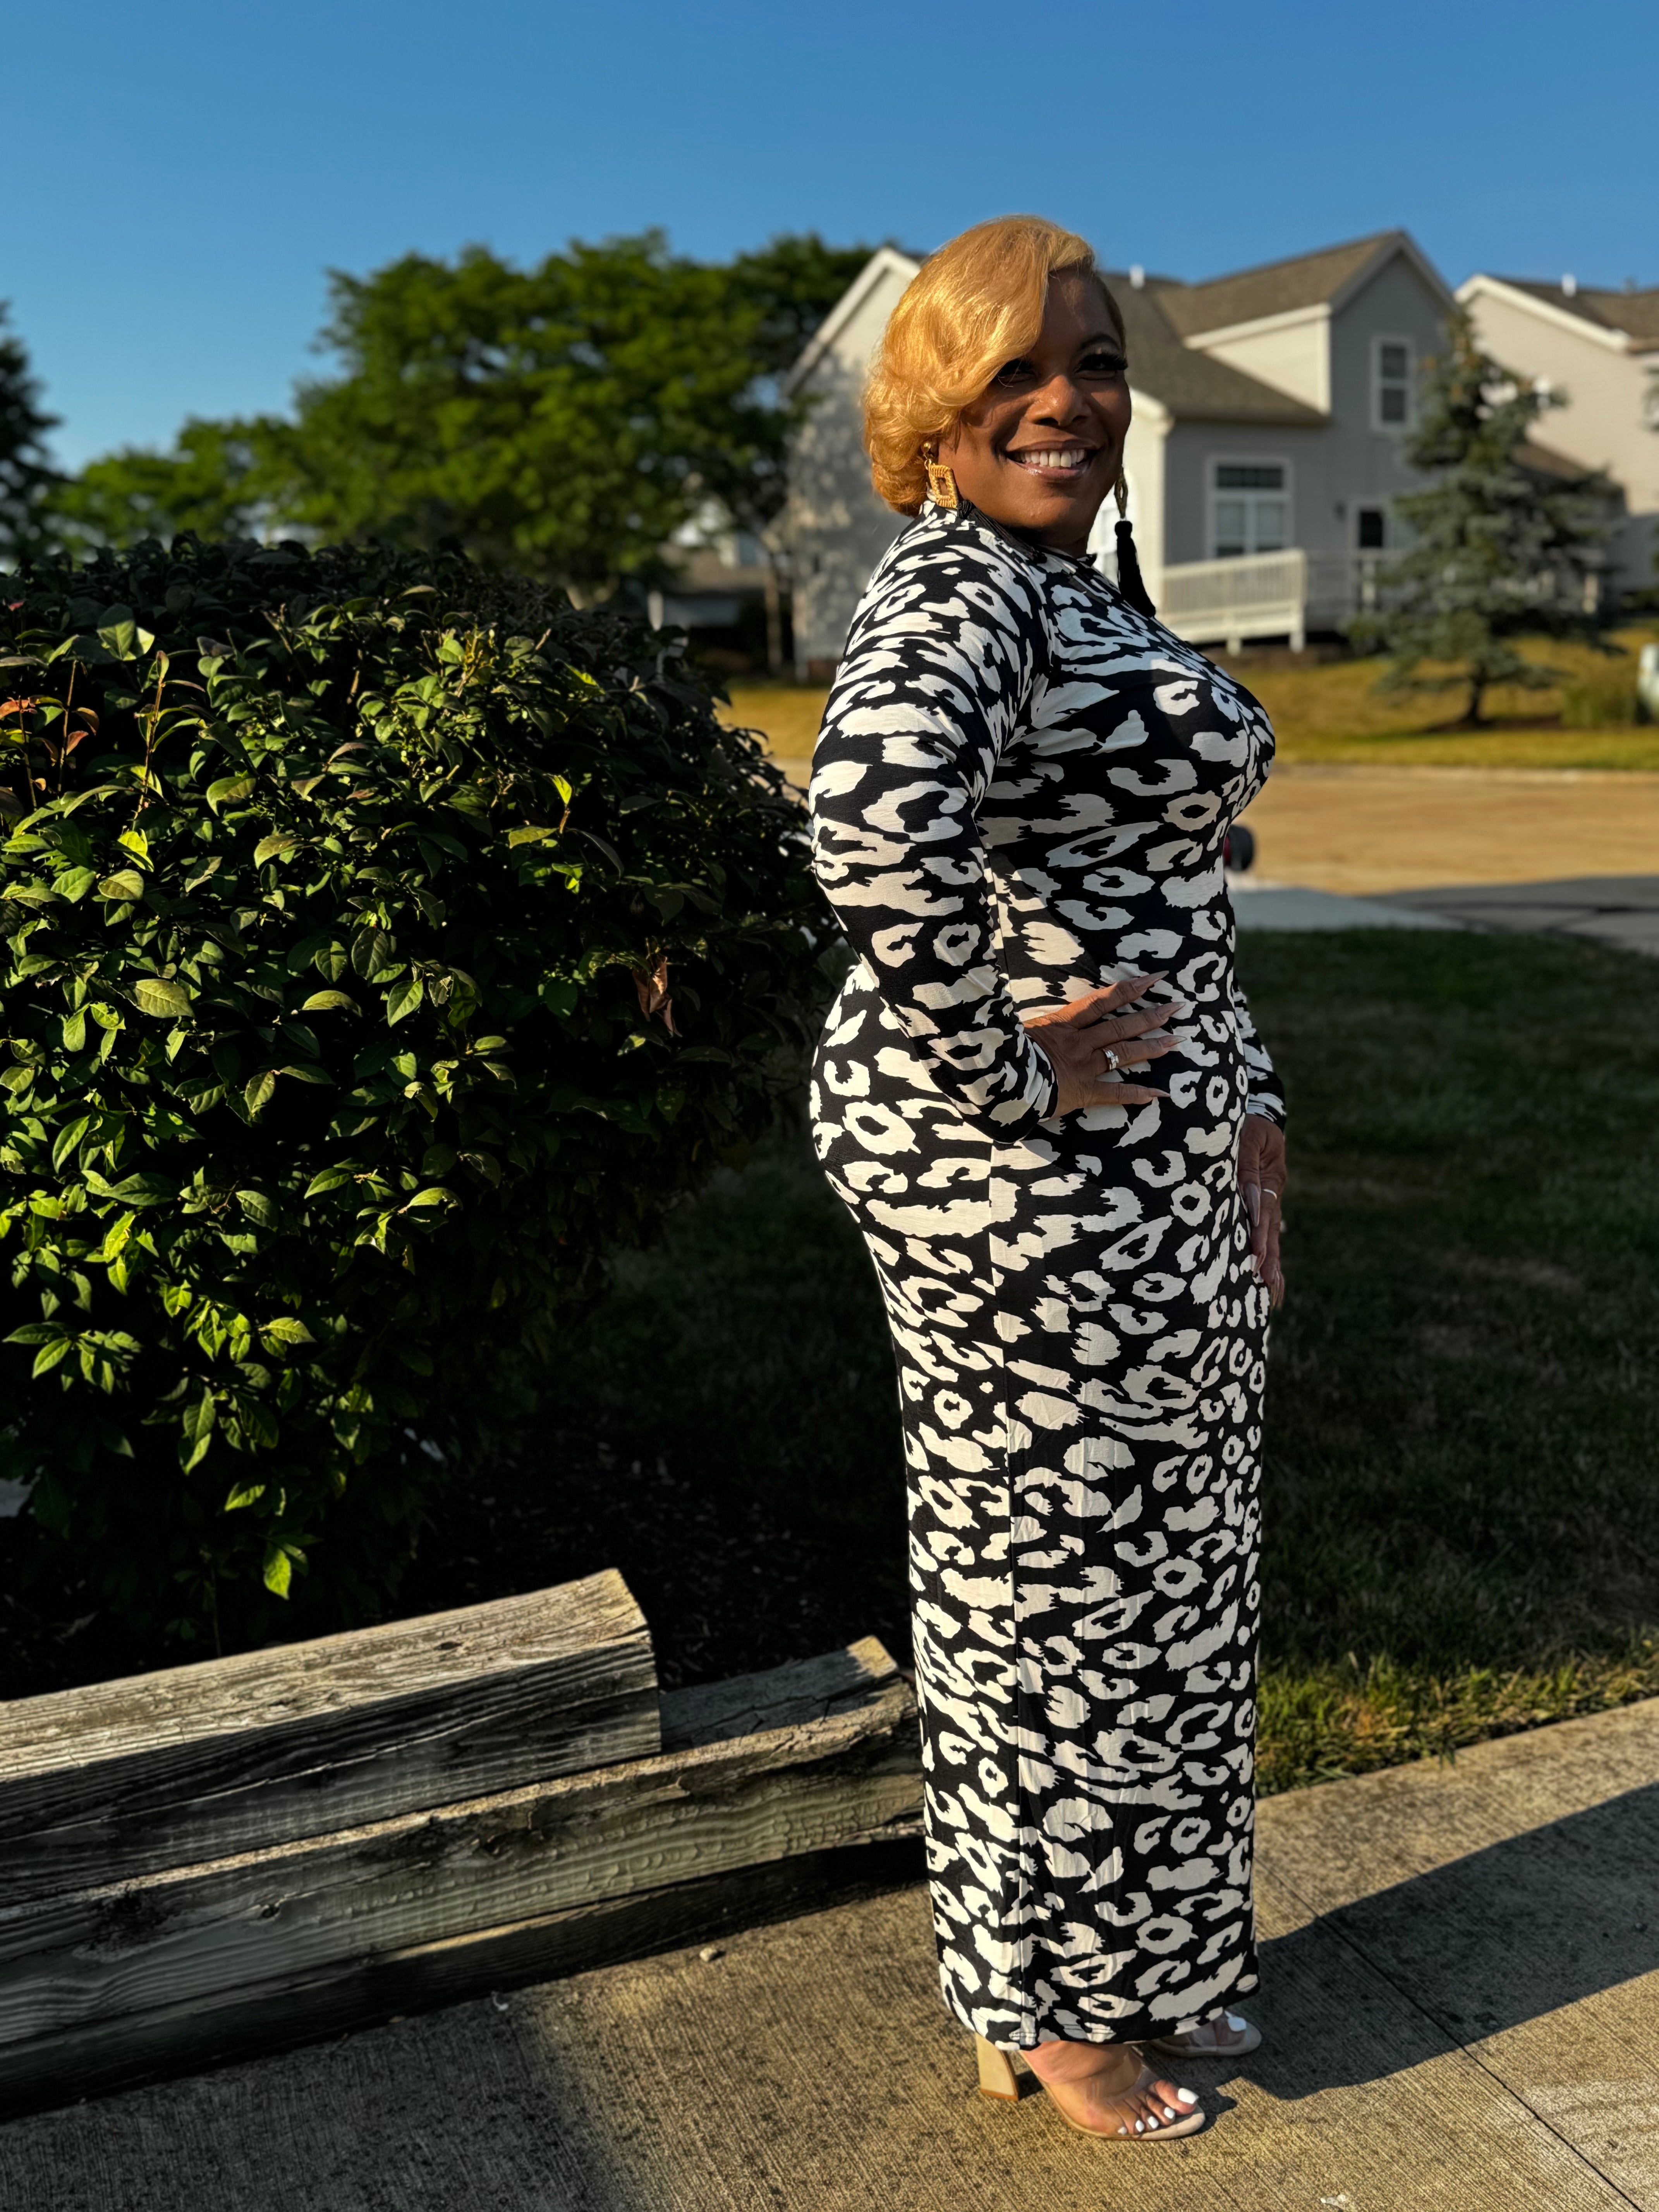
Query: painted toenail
column 1152, row 2125
column 1169, row 2112
column 1141, row 2127
column 1187, row 2096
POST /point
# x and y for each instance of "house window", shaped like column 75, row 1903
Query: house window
column 1371, row 528
column 1250, row 508
column 1391, row 383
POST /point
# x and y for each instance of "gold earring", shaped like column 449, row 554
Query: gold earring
column 1120, row 493
column 941, row 481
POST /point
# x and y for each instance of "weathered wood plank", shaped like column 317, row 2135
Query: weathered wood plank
column 306, row 1911
column 199, row 1763
column 104, row 2056
column 804, row 1690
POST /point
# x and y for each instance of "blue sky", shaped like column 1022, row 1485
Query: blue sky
column 181, row 176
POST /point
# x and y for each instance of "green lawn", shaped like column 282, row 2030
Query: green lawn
column 1462, row 1485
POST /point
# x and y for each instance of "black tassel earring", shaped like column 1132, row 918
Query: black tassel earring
column 1130, row 581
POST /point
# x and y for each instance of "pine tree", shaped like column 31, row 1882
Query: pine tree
column 1500, row 550
column 26, row 477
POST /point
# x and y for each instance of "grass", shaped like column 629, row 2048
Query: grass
column 1332, row 712
column 1463, row 1421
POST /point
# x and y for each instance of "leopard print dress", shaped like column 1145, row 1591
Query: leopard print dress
column 1019, row 793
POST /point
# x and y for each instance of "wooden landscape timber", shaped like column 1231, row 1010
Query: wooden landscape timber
column 118, row 1982
column 123, row 1778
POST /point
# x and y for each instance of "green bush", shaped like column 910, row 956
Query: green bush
column 380, row 942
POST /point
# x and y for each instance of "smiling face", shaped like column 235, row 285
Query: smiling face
column 1041, row 446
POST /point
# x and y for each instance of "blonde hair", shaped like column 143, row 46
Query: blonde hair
column 974, row 305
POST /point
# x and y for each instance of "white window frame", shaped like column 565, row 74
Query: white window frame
column 1213, row 463
column 1379, row 339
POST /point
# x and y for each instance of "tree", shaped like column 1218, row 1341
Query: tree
column 1502, row 547
column 565, row 420
column 208, row 483
column 26, row 476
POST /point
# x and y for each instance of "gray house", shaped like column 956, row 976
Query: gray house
column 1261, row 464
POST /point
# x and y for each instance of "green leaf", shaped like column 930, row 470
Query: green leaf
column 328, row 1002
column 115, row 1243
column 36, row 1331
column 279, row 1570
column 331, row 1178
column 75, row 1032
column 277, row 846
column 287, row 1330
column 373, row 952
column 304, row 1070
column 227, row 789
column 257, row 1207
column 404, row 998
column 49, row 1355
column 196, row 1431
column 136, row 843
column 257, row 1090
column 75, row 883
column 68, row 1139
column 125, row 884
column 131, row 1190
column 244, row 1494
column 529, row 835
column 158, row 995
column 435, row 1195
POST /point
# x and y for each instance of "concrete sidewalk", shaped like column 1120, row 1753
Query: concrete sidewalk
column 1622, row 911
column 1618, row 910
column 1461, row 1993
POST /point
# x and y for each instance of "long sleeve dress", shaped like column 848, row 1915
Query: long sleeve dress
column 1020, row 792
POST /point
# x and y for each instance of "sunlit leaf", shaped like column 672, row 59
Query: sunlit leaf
column 157, row 994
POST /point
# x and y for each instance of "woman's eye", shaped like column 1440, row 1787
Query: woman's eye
column 1012, row 372
column 1103, row 363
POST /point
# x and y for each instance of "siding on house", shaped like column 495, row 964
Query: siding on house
column 838, row 529
column 1598, row 351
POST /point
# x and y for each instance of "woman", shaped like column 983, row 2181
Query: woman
column 1019, row 797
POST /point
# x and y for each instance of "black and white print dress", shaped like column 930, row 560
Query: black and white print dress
column 1020, row 792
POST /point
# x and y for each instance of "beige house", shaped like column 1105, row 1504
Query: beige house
column 1264, row 456
column 1599, row 353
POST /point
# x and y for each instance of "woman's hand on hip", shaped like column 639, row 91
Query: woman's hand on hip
column 1089, row 1041
column 1261, row 1182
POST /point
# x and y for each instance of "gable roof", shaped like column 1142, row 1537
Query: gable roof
column 1194, row 386
column 1325, row 278
column 885, row 261
column 1626, row 314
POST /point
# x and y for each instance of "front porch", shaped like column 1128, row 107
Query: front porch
column 1265, row 595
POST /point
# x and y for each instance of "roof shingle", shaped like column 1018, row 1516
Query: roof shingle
column 1277, row 288
column 1636, row 313
column 1192, row 385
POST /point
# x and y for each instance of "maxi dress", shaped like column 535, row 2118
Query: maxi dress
column 1019, row 793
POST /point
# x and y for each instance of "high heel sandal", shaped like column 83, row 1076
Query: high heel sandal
column 998, row 2079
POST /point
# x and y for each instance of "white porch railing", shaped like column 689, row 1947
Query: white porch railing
column 1265, row 595
column 1258, row 595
